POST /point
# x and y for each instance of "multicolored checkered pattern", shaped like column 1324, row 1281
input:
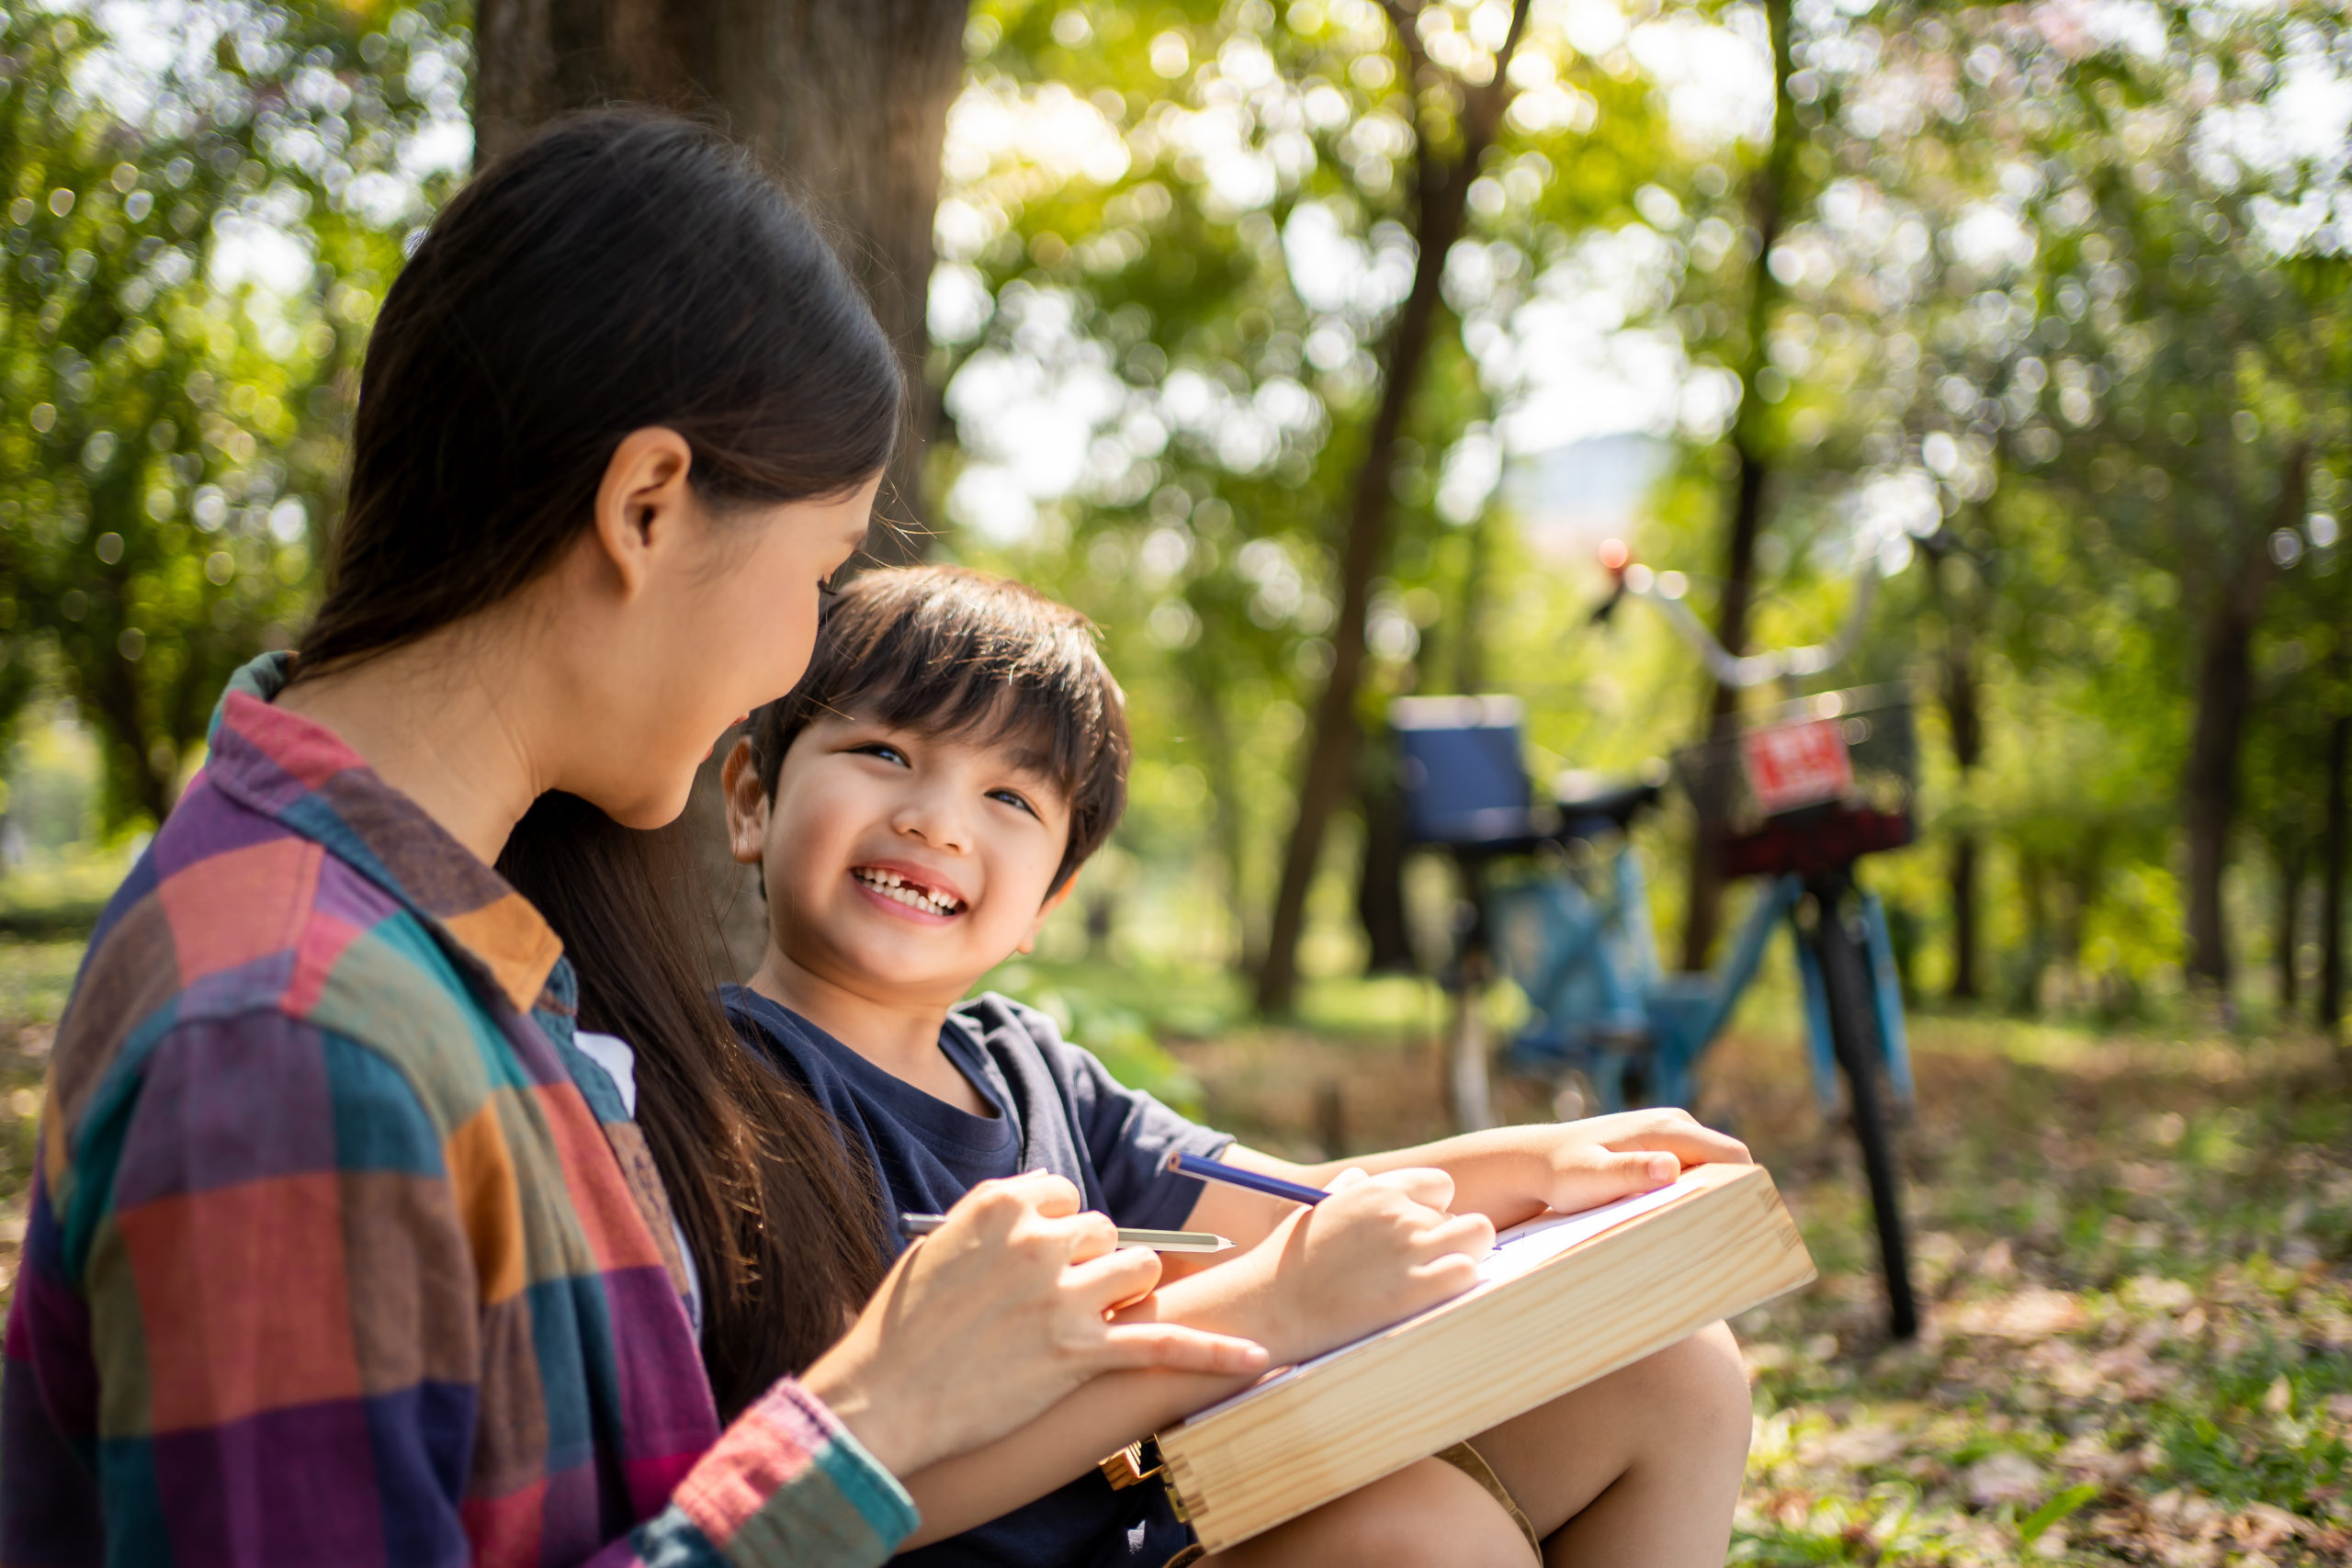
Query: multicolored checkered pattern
column 332, row 1261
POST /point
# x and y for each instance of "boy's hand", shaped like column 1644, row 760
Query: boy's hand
column 1380, row 1248
column 1603, row 1158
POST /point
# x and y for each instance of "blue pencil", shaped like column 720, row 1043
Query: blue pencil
column 1182, row 1164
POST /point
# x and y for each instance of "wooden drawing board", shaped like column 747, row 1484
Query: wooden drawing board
column 1564, row 1300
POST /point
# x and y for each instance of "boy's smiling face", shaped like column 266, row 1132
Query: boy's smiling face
column 902, row 861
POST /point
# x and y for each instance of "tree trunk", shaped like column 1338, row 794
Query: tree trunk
column 1768, row 200
column 1442, row 192
column 847, row 103
column 846, row 100
column 2225, row 686
column 1470, row 636
column 124, row 714
column 1380, row 885
column 2290, row 897
column 2224, row 696
column 1963, row 716
column 2033, row 892
column 2328, row 1006
column 1225, row 794
column 121, row 711
column 1961, row 871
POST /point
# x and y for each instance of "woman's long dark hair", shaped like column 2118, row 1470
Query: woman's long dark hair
column 619, row 271
column 785, row 1228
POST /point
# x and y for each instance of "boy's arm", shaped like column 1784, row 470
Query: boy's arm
column 1508, row 1174
column 1377, row 1251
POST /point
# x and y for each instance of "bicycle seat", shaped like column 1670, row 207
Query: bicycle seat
column 1586, row 810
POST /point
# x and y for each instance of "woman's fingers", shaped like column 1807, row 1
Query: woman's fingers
column 1443, row 1277
column 1107, row 1282
column 1172, row 1347
column 1041, row 1190
column 1086, row 1235
column 1472, row 1236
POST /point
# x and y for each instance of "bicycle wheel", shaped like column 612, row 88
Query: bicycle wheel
column 1853, row 1034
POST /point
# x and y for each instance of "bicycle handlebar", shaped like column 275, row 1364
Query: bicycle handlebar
column 1740, row 671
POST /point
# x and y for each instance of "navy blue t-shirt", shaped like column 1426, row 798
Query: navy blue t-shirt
column 1056, row 1108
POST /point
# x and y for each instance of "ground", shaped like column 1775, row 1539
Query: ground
column 2136, row 1249
column 2135, row 1256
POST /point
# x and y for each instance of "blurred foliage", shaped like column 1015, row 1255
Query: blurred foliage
column 200, row 214
column 2065, row 293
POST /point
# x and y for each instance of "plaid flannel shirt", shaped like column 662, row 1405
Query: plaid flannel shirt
column 332, row 1260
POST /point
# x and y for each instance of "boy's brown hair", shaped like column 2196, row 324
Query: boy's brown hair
column 944, row 650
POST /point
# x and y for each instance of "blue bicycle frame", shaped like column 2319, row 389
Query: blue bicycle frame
column 1604, row 1006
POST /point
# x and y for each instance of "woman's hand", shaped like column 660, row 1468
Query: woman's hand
column 993, row 1317
column 1602, row 1158
column 1380, row 1248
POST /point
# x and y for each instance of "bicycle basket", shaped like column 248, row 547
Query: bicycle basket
column 1851, row 749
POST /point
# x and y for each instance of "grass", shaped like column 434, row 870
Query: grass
column 2134, row 1254
column 2139, row 1256
column 59, row 897
column 2135, row 1258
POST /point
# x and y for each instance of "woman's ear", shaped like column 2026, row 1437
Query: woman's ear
column 1054, row 901
column 644, row 502
column 747, row 804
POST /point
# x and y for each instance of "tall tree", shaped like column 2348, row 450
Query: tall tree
column 2222, row 370
column 1771, row 196
column 1962, row 689
column 2194, row 363
column 171, row 451
column 1455, row 122
column 2327, row 1007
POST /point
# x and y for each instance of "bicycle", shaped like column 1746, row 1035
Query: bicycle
column 1557, row 902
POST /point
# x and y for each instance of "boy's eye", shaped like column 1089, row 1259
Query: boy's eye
column 883, row 750
column 1013, row 799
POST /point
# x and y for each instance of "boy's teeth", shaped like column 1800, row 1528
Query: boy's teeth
column 891, row 886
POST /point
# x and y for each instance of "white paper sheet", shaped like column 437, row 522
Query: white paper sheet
column 1516, row 1251
column 1523, row 1246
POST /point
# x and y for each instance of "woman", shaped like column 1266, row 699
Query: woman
column 331, row 1259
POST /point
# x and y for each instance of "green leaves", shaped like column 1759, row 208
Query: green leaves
column 2034, row 1526
column 187, row 288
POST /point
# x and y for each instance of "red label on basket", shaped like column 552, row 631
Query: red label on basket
column 1796, row 765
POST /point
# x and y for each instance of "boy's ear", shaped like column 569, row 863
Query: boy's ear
column 747, row 803
column 1054, row 901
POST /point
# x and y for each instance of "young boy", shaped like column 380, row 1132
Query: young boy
column 919, row 806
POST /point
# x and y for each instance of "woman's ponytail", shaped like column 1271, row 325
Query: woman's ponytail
column 786, row 1230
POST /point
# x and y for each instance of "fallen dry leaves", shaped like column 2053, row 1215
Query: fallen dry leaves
column 2138, row 1336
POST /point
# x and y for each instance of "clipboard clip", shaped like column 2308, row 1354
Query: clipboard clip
column 1132, row 1465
